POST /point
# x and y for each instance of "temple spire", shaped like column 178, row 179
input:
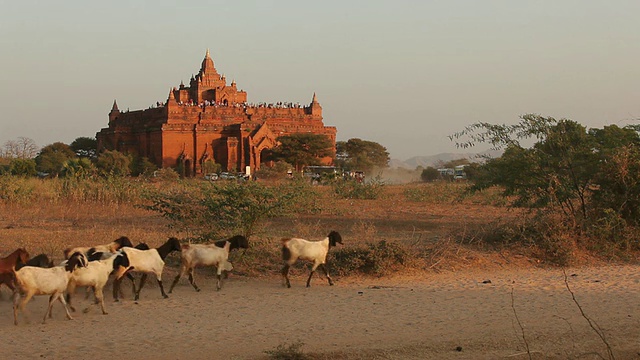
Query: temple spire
column 316, row 109
column 114, row 113
column 208, row 76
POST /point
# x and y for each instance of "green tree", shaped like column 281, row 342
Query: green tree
column 302, row 149
column 210, row 166
column 429, row 174
column 52, row 157
column 85, row 147
column 358, row 154
column 141, row 166
column 277, row 171
column 113, row 163
column 79, row 168
column 581, row 172
column 618, row 181
column 22, row 167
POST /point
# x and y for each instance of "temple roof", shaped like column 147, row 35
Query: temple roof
column 208, row 69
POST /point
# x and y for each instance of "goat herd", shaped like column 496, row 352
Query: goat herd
column 91, row 267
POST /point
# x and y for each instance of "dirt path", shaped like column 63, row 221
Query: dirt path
column 402, row 318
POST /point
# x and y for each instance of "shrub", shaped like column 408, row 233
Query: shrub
column 210, row 210
column 379, row 258
column 287, row 352
column 166, row 174
column 430, row 174
column 113, row 163
column 546, row 235
column 141, row 166
column 16, row 190
column 277, row 171
column 78, row 168
column 370, row 190
column 22, row 167
column 611, row 236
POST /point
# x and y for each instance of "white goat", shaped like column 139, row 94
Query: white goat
column 216, row 254
column 316, row 251
column 144, row 261
column 94, row 275
column 53, row 281
column 108, row 248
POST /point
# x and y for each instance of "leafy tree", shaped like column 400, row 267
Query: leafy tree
column 618, row 180
column 22, row 167
column 358, row 154
column 141, row 166
column 581, row 172
column 429, row 174
column 277, row 171
column 78, row 168
column 85, row 147
column 471, row 171
column 210, row 166
column 52, row 157
column 302, row 149
column 113, row 163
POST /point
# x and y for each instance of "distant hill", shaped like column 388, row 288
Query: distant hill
column 434, row 160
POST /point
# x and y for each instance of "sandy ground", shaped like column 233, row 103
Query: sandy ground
column 415, row 317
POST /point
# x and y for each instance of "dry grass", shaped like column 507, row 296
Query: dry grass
column 435, row 228
column 49, row 226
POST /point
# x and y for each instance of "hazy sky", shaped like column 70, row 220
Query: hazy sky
column 402, row 73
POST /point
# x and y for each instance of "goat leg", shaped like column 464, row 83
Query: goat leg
column 192, row 280
column 285, row 274
column 143, row 280
column 326, row 273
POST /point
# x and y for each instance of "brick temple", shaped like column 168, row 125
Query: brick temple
column 209, row 119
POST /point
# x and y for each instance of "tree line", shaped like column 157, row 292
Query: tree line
column 81, row 158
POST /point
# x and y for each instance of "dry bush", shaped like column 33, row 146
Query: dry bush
column 288, row 352
column 364, row 230
column 262, row 258
column 544, row 237
column 372, row 258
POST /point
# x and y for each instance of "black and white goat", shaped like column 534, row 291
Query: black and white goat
column 94, row 279
column 216, row 254
column 53, row 281
column 144, row 261
column 112, row 247
column 95, row 275
column 316, row 251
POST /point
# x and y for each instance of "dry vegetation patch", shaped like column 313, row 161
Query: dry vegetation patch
column 424, row 227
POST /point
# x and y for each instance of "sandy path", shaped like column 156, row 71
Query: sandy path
column 427, row 317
